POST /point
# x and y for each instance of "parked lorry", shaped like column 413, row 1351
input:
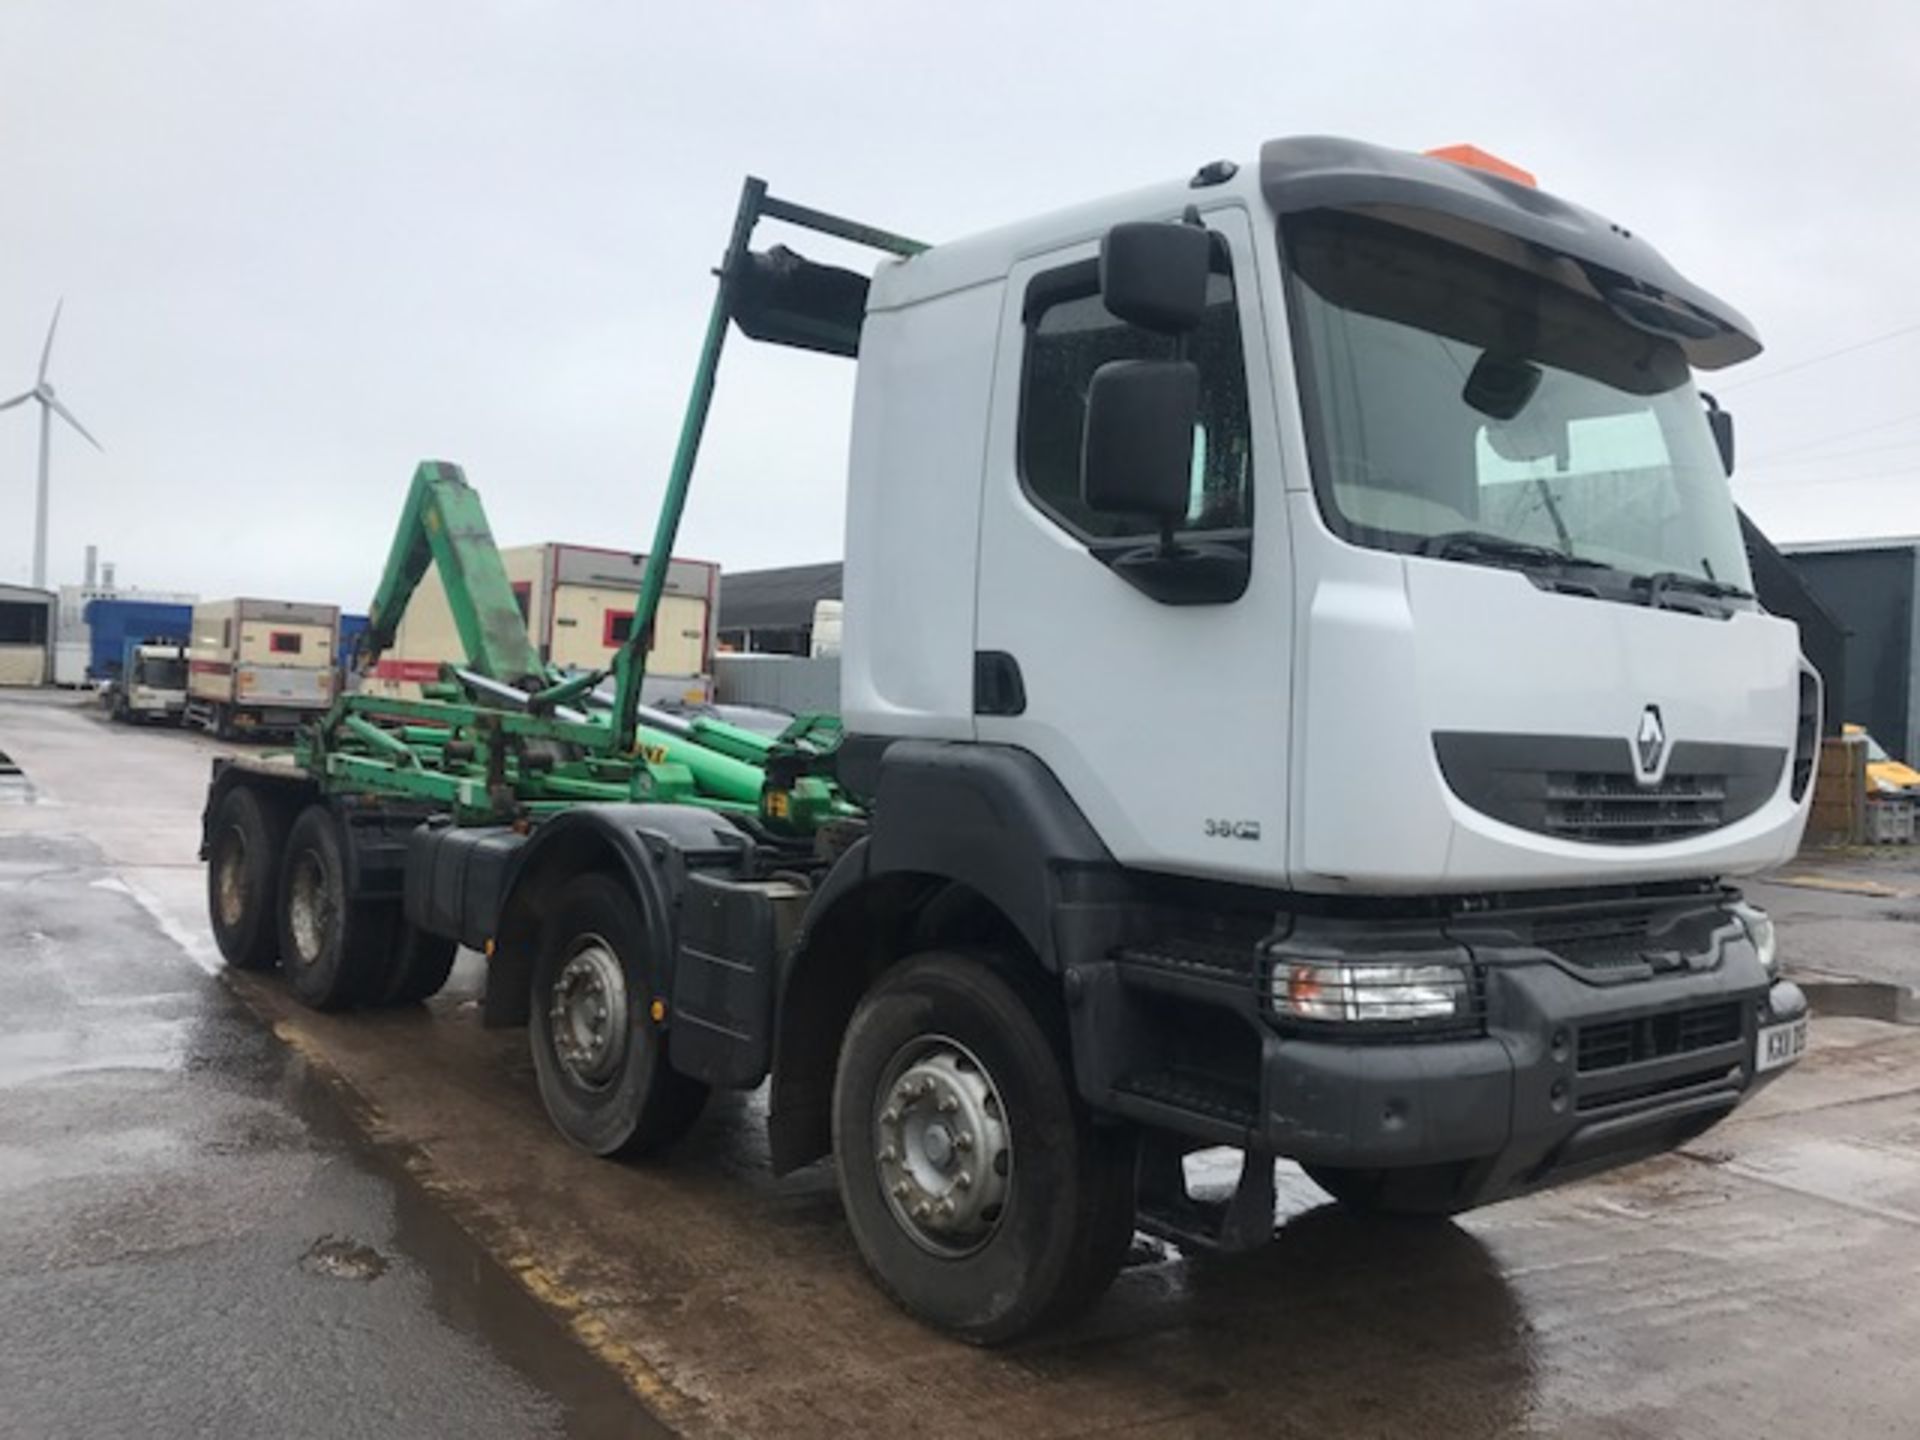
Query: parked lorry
column 578, row 604
column 260, row 667
column 1300, row 692
column 149, row 683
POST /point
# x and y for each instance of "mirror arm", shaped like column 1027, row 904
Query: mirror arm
column 1182, row 344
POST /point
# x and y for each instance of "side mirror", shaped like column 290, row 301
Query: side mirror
column 1721, row 423
column 1154, row 274
column 1137, row 455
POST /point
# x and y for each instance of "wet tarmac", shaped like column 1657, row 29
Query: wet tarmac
column 202, row 1234
column 195, row 1238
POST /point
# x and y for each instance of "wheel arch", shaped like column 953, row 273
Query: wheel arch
column 862, row 926
column 284, row 791
column 645, row 847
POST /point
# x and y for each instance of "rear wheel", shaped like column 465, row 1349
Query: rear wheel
column 330, row 944
column 981, row 1194
column 244, row 843
column 599, row 1054
column 416, row 966
column 1431, row 1191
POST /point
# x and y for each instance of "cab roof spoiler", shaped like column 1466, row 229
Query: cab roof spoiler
column 1486, row 211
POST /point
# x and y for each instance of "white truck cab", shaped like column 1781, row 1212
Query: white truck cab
column 1453, row 649
column 152, row 683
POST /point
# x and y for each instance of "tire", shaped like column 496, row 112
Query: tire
column 415, row 968
column 245, row 841
column 330, row 946
column 1419, row 1191
column 1065, row 1200
column 616, row 1093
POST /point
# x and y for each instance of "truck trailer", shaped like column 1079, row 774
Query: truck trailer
column 260, row 667
column 578, row 605
column 1301, row 691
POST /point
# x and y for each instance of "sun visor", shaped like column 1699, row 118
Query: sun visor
column 1514, row 223
column 785, row 299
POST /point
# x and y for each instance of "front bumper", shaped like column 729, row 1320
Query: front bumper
column 1572, row 1068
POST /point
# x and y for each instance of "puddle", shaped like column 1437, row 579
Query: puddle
column 338, row 1258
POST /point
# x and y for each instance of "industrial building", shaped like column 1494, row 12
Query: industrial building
column 771, row 612
column 26, row 635
column 1872, row 589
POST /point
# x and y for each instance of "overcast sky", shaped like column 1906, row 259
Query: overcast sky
column 304, row 245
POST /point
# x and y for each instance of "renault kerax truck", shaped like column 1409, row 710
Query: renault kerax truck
column 1302, row 692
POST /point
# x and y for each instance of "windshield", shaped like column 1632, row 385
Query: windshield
column 162, row 673
column 1464, row 407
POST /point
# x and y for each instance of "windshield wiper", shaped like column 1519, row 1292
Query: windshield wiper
column 1485, row 545
column 1661, row 581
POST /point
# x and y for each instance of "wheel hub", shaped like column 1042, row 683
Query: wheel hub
column 310, row 908
column 943, row 1145
column 588, row 1014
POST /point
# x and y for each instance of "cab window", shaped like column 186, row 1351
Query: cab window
column 1069, row 335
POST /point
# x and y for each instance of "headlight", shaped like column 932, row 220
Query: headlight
column 1365, row 993
column 1760, row 930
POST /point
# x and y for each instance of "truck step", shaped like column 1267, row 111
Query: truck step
column 1194, row 955
column 1197, row 1094
column 1231, row 1225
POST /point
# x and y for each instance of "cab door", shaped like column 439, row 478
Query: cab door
column 1165, row 721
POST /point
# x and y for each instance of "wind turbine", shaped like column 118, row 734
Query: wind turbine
column 50, row 406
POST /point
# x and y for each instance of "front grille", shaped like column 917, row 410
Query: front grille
column 1670, row 1085
column 1585, row 788
column 1597, row 942
column 1613, row 1043
column 1618, row 809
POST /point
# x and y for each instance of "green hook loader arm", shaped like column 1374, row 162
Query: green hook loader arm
column 506, row 735
column 444, row 524
column 778, row 298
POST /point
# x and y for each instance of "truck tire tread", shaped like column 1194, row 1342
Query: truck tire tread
column 1065, row 1231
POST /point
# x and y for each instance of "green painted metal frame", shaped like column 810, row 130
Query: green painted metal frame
column 588, row 757
column 630, row 665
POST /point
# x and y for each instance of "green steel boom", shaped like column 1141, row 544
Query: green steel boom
column 443, row 524
column 733, row 300
column 506, row 736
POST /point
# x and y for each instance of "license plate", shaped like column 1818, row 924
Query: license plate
column 1779, row 1045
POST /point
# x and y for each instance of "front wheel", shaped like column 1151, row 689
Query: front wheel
column 981, row 1194
column 598, row 1053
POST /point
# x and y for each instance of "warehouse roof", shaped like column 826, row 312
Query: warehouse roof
column 776, row 599
column 27, row 595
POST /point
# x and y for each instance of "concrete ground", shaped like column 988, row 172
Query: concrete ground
column 220, row 1214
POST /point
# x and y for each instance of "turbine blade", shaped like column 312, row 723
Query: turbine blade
column 16, row 400
column 46, row 352
column 67, row 415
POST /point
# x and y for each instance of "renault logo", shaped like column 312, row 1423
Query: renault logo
column 1650, row 746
